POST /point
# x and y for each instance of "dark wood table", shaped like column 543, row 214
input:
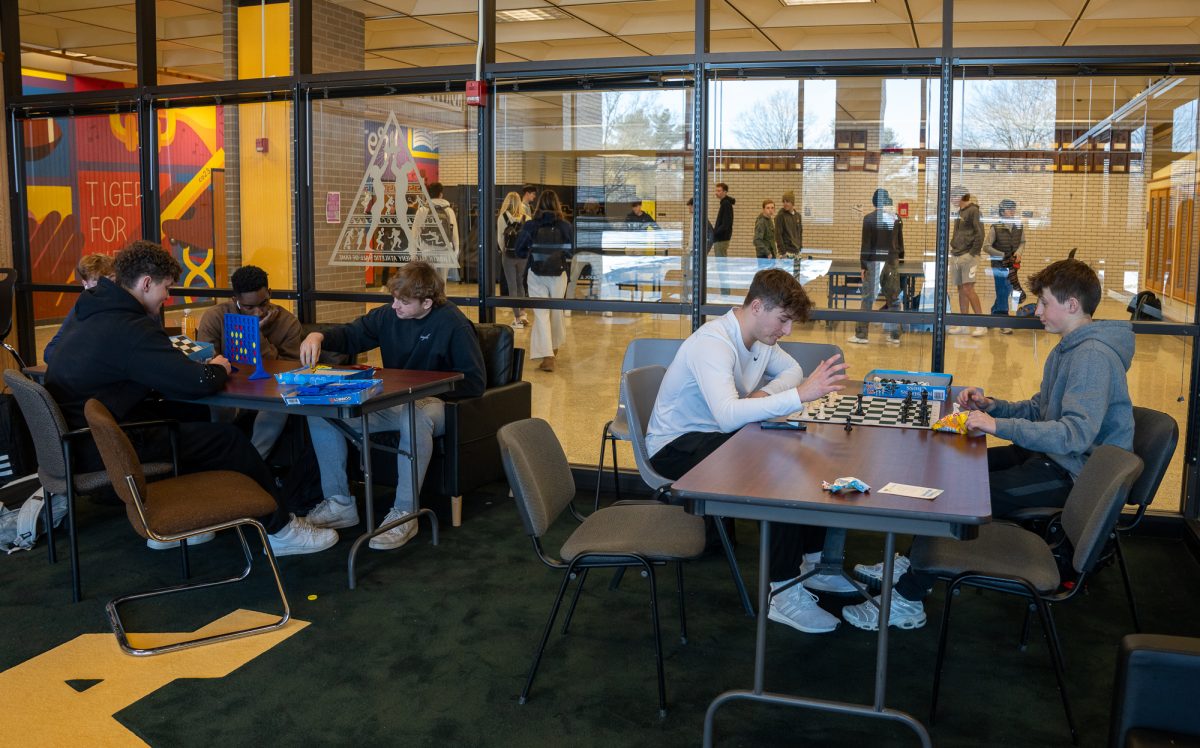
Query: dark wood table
column 400, row 386
column 775, row 476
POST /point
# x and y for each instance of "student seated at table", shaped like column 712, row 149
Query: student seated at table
column 732, row 372
column 419, row 330
column 89, row 271
column 280, row 337
column 1083, row 402
column 117, row 352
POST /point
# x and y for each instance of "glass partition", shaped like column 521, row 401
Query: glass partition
column 71, row 47
column 619, row 162
column 395, row 180
column 794, row 25
column 582, row 29
column 217, row 41
column 357, row 35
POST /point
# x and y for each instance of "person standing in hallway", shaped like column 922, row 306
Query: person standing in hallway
column 764, row 232
column 547, row 241
column 880, row 252
column 722, row 230
column 508, row 228
column 789, row 229
column 1006, row 239
column 964, row 261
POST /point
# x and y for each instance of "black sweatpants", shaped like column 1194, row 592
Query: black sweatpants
column 1018, row 478
column 202, row 446
column 789, row 542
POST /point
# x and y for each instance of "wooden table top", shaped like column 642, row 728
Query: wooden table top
column 785, row 468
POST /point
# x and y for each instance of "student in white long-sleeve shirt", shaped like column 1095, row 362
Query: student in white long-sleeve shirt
column 729, row 373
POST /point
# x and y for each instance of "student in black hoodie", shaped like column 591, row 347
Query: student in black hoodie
column 723, row 227
column 117, row 352
column 419, row 330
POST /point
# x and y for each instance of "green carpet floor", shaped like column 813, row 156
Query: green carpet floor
column 434, row 645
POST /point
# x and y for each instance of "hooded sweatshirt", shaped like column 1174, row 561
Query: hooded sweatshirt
column 1083, row 401
column 120, row 355
column 723, row 228
column 968, row 232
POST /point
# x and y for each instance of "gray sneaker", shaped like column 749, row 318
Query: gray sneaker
column 873, row 575
column 397, row 536
column 299, row 537
column 162, row 545
column 335, row 512
column 905, row 614
column 797, row 607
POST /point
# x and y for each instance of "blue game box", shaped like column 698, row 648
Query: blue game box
column 896, row 383
column 195, row 351
column 325, row 374
column 353, row 392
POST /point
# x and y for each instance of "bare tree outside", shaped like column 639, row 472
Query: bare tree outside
column 1010, row 115
column 770, row 123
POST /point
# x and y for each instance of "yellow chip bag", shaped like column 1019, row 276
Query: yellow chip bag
column 955, row 423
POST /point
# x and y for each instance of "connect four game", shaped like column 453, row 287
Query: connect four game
column 242, row 343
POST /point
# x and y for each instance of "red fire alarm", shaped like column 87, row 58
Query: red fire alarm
column 902, row 210
column 262, row 145
column 476, row 93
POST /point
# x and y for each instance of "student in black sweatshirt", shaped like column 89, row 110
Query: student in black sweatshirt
column 419, row 330
column 117, row 352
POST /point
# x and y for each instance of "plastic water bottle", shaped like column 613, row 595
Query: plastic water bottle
column 187, row 324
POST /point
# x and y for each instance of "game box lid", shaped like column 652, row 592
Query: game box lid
column 195, row 351
column 325, row 374
column 352, row 392
column 898, row 383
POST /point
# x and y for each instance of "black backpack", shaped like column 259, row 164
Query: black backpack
column 548, row 255
column 508, row 239
column 1145, row 305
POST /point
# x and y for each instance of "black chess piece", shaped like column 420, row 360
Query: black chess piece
column 906, row 408
column 923, row 413
column 849, row 424
column 859, row 410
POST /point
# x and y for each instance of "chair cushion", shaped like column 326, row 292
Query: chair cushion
column 1000, row 549
column 656, row 531
column 496, row 342
column 200, row 500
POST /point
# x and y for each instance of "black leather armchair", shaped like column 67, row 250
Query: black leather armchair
column 1154, row 700
column 467, row 456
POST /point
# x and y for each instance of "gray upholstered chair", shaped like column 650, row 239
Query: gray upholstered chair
column 1010, row 559
column 176, row 509
column 639, row 389
column 54, row 442
column 1155, row 437
column 639, row 535
column 1154, row 699
column 640, row 352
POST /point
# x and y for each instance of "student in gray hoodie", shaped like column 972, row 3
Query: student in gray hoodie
column 1083, row 402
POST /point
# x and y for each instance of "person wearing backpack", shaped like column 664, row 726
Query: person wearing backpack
column 547, row 240
column 446, row 219
column 508, row 228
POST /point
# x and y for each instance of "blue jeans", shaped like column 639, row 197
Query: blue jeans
column 1003, row 290
column 330, row 446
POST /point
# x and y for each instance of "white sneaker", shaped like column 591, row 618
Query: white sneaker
column 833, row 583
column 797, row 607
column 873, row 574
column 299, row 537
column 956, row 330
column 162, row 545
column 860, row 341
column 979, row 332
column 893, row 340
column 905, row 614
column 335, row 512
column 397, row 536
column 1006, row 331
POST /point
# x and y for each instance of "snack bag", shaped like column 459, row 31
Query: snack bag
column 845, row 485
column 955, row 423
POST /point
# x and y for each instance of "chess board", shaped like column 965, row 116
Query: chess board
column 190, row 348
column 877, row 411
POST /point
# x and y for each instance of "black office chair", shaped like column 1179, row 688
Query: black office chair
column 8, row 283
column 1010, row 559
column 1154, row 699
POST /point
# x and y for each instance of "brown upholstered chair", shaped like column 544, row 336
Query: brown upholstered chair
column 176, row 509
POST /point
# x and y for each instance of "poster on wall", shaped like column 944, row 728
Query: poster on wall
column 379, row 229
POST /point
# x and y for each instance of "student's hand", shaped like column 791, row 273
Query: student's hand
column 972, row 398
column 826, row 378
column 977, row 420
column 310, row 349
column 223, row 362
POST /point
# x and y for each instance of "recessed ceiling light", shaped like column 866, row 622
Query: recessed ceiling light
column 531, row 14
column 792, row 3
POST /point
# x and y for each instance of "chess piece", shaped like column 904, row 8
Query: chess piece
column 906, row 408
column 859, row 410
column 849, row 425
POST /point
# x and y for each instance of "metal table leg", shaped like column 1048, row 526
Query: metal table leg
column 364, row 447
column 876, row 711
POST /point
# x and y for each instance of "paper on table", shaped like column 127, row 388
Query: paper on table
column 915, row 492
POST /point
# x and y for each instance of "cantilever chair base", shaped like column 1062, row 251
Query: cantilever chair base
column 118, row 626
